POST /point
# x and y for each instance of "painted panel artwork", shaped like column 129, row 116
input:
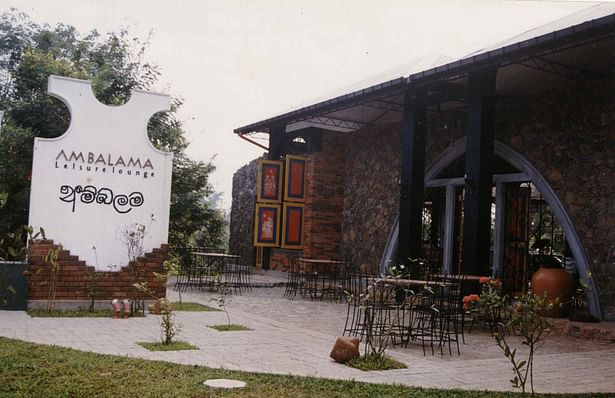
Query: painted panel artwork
column 292, row 226
column 295, row 179
column 269, row 181
column 267, row 225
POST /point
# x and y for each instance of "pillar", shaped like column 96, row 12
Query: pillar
column 479, row 173
column 412, row 184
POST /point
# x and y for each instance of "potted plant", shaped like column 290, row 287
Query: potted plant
column 551, row 281
column 12, row 267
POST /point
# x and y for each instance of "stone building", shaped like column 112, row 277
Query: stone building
column 474, row 163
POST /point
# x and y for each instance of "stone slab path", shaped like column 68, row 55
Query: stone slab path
column 296, row 336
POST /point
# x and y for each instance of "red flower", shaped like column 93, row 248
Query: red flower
column 484, row 279
column 467, row 300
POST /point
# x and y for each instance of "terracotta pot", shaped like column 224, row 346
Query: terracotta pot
column 554, row 283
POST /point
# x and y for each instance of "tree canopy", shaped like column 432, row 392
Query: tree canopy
column 115, row 64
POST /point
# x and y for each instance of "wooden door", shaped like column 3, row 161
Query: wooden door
column 516, row 238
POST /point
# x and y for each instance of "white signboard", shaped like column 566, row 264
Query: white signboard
column 101, row 176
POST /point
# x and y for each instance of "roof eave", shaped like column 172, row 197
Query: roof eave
column 459, row 67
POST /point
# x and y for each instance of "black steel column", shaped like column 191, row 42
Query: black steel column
column 412, row 184
column 479, row 173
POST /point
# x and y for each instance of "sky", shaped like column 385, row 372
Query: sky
column 237, row 62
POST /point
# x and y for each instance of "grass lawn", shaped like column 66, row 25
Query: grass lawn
column 195, row 307
column 173, row 346
column 373, row 362
column 33, row 370
column 76, row 314
column 233, row 327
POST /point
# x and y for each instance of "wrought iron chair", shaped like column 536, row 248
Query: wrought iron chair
column 295, row 279
column 355, row 290
column 436, row 314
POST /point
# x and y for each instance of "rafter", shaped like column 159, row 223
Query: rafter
column 385, row 105
column 334, row 123
column 561, row 69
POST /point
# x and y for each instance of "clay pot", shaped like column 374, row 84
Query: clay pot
column 553, row 283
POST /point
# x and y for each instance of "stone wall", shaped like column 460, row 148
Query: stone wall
column 75, row 285
column 371, row 192
column 371, row 183
column 569, row 136
column 242, row 210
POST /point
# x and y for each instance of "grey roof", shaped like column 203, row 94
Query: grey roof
column 596, row 17
column 591, row 13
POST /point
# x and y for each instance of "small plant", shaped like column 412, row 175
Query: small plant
column 378, row 337
column 488, row 307
column 144, row 290
column 132, row 237
column 375, row 343
column 533, row 328
column 223, row 296
column 407, row 269
column 3, row 198
column 11, row 293
column 13, row 246
column 168, row 327
column 91, row 283
column 172, row 267
column 51, row 258
column 92, row 280
column 222, row 300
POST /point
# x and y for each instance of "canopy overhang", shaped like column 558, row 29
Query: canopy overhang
column 526, row 64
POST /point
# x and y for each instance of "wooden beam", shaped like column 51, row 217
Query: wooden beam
column 479, row 172
column 500, row 224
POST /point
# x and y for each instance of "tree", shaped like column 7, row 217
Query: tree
column 15, row 149
column 116, row 65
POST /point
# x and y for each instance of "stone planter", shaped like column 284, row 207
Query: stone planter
column 553, row 284
column 13, row 286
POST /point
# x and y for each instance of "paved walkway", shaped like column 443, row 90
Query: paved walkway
column 295, row 337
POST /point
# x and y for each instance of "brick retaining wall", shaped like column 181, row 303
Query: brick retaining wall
column 74, row 276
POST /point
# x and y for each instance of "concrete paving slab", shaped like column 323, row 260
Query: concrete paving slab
column 296, row 336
